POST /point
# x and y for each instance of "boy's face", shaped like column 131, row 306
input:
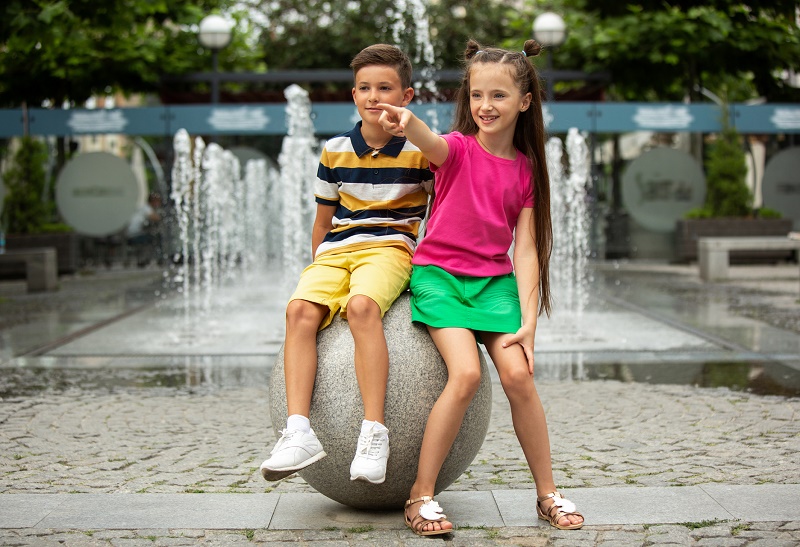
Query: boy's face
column 378, row 84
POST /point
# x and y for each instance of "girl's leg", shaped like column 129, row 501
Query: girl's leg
column 527, row 413
column 460, row 352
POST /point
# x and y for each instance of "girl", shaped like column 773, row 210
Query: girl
column 490, row 174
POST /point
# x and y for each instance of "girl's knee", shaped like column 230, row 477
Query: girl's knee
column 465, row 382
column 517, row 381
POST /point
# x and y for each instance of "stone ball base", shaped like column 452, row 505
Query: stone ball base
column 417, row 376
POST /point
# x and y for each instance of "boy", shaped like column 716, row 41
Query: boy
column 371, row 193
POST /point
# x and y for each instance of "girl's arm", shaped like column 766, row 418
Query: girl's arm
column 526, row 270
column 398, row 120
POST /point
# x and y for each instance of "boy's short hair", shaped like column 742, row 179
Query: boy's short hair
column 386, row 55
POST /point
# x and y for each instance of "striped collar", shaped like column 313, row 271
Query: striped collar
column 360, row 147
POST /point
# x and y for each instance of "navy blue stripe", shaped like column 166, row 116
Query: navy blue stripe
column 323, row 201
column 392, row 214
column 385, row 175
column 334, row 237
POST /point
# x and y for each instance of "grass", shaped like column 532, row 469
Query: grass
column 361, row 529
column 700, row 524
column 739, row 528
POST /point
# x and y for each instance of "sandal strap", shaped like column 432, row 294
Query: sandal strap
column 424, row 499
column 548, row 496
column 418, row 522
column 560, row 512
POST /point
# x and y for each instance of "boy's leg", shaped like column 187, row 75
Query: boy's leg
column 300, row 353
column 378, row 277
column 371, row 355
column 306, row 313
column 372, row 372
column 298, row 446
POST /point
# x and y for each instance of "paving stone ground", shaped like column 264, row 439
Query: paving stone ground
column 105, row 430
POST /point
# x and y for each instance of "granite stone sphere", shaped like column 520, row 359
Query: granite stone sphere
column 417, row 376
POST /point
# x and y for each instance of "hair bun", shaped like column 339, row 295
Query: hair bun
column 532, row 48
column 473, row 47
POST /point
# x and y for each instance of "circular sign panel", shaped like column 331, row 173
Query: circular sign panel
column 97, row 193
column 660, row 186
column 780, row 187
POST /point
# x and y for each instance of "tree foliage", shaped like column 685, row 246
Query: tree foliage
column 327, row 34
column 24, row 210
column 69, row 50
column 658, row 50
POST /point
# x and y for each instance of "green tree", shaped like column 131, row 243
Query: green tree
column 327, row 34
column 24, row 209
column 727, row 194
column 69, row 50
column 658, row 50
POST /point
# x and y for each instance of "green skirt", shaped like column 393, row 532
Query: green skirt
column 442, row 300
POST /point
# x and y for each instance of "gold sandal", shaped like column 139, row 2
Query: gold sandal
column 562, row 506
column 429, row 511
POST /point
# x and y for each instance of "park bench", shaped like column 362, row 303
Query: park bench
column 41, row 267
column 713, row 252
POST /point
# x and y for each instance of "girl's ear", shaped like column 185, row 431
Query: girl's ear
column 526, row 102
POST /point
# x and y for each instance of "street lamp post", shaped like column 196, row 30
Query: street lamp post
column 549, row 30
column 215, row 34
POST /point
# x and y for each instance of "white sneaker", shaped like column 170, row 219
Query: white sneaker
column 372, row 452
column 294, row 451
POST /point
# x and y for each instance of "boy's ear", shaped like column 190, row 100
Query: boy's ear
column 353, row 92
column 407, row 96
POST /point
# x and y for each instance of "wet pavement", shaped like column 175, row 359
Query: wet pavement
column 673, row 409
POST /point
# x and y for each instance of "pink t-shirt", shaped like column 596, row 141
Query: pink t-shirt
column 478, row 199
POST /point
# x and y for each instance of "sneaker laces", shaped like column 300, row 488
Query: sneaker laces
column 369, row 445
column 286, row 435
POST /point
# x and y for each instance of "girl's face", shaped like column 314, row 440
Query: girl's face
column 494, row 99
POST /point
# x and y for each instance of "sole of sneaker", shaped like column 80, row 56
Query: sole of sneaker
column 367, row 479
column 277, row 474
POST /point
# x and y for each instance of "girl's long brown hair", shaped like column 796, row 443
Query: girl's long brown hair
column 529, row 138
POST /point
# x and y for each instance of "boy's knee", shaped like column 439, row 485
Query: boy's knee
column 362, row 308
column 301, row 313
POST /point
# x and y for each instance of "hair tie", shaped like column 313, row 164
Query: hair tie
column 525, row 54
column 479, row 51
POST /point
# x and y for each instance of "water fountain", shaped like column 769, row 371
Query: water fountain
column 415, row 39
column 298, row 162
column 568, row 264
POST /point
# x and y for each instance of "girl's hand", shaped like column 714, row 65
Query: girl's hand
column 393, row 118
column 523, row 337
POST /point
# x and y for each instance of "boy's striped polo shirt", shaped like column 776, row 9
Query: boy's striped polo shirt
column 380, row 197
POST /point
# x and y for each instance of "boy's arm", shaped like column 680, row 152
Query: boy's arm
column 526, row 271
column 398, row 120
column 323, row 223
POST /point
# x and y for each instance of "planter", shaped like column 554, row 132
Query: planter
column 65, row 244
column 688, row 231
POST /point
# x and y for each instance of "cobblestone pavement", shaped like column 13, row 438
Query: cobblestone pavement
column 107, row 431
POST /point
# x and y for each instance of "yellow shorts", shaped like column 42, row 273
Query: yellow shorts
column 381, row 273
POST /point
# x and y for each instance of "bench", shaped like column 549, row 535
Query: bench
column 41, row 266
column 713, row 252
